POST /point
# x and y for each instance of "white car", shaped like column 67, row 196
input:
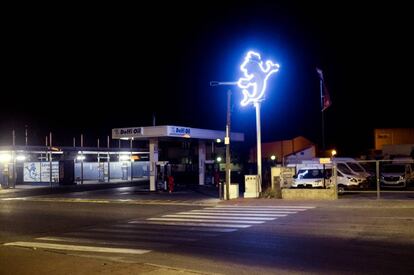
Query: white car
column 312, row 177
column 396, row 175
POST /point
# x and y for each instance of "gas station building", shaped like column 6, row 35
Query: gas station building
column 166, row 142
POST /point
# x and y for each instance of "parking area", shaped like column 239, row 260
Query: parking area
column 369, row 179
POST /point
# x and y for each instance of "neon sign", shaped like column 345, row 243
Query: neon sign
column 255, row 77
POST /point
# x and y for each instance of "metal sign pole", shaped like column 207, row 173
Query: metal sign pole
column 50, row 159
column 109, row 160
column 100, row 172
column 130, row 156
column 259, row 148
column 378, row 179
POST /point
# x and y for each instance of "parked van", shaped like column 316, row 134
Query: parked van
column 349, row 181
column 352, row 166
column 313, row 175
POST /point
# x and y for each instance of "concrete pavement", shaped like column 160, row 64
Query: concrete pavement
column 243, row 236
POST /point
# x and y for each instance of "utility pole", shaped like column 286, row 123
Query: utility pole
column 322, row 114
column 227, row 138
column 227, row 142
column 81, row 144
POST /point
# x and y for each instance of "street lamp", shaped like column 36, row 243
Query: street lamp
column 254, row 83
column 227, row 138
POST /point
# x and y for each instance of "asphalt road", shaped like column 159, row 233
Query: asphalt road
column 91, row 233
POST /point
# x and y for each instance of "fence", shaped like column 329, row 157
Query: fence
column 392, row 178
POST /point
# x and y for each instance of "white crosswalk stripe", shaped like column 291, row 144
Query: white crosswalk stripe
column 219, row 217
column 141, row 236
column 189, row 223
column 198, row 220
column 139, row 224
column 244, row 212
column 206, row 213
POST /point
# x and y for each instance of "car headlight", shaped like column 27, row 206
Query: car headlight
column 352, row 179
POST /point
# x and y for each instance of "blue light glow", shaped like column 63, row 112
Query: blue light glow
column 255, row 77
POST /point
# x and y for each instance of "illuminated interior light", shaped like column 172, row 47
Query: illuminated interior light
column 124, row 157
column 80, row 157
column 21, row 158
column 5, row 157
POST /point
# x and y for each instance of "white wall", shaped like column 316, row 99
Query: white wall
column 306, row 154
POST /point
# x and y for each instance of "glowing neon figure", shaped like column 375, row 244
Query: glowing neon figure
column 255, row 77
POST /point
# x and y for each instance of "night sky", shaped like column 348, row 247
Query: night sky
column 73, row 70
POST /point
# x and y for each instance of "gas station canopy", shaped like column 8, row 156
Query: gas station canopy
column 172, row 131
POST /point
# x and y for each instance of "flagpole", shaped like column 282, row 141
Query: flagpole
column 322, row 114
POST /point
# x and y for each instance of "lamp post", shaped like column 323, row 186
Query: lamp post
column 227, row 138
column 335, row 173
column 273, row 159
column 253, row 84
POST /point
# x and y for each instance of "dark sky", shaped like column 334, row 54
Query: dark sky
column 85, row 69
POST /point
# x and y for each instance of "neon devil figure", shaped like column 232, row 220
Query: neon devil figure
column 255, row 77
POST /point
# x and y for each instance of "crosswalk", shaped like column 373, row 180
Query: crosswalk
column 140, row 236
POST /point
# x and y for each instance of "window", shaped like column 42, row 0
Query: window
column 313, row 173
column 344, row 169
column 355, row 166
column 393, row 168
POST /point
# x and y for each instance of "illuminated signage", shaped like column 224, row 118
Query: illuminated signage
column 383, row 136
column 127, row 132
column 40, row 171
column 179, row 131
column 324, row 160
column 255, row 77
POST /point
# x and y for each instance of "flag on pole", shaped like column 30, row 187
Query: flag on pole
column 325, row 98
